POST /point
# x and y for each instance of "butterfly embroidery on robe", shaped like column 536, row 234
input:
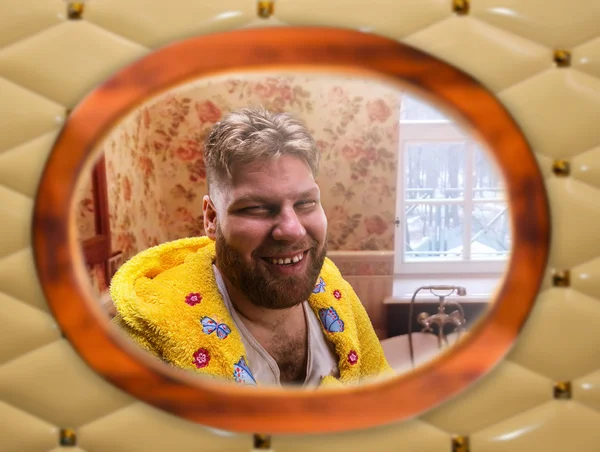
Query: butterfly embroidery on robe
column 242, row 374
column 320, row 286
column 209, row 326
column 331, row 320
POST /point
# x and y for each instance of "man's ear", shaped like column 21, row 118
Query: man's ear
column 210, row 217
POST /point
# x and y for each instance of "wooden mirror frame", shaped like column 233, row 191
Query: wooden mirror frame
column 227, row 406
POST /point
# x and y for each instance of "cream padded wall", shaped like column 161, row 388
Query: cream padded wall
column 546, row 393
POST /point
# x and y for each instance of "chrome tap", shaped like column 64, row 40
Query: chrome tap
column 441, row 318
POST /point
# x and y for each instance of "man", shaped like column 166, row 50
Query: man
column 256, row 301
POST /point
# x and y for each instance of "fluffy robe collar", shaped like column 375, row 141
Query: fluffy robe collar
column 167, row 298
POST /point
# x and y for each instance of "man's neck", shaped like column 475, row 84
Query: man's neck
column 283, row 333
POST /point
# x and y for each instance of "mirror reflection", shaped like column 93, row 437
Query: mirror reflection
column 293, row 229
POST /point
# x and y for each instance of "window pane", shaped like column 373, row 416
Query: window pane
column 490, row 231
column 433, row 232
column 434, row 170
column 412, row 109
column 488, row 183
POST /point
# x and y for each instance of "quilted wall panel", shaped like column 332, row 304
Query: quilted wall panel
column 540, row 57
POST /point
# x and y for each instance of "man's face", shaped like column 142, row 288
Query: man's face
column 270, row 231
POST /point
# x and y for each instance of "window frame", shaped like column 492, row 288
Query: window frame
column 427, row 131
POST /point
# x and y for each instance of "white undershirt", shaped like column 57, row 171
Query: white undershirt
column 322, row 360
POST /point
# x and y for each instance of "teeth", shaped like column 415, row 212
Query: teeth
column 287, row 260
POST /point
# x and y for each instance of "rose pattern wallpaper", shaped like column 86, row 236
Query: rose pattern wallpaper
column 156, row 174
column 85, row 210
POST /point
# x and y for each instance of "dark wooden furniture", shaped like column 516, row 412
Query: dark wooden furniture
column 97, row 249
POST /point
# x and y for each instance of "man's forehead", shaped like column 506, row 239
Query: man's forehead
column 287, row 175
column 267, row 165
column 283, row 171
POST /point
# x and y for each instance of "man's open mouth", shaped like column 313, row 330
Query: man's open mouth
column 287, row 260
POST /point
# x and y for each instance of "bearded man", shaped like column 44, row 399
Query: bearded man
column 256, row 301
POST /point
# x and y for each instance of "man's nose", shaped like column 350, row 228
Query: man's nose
column 288, row 227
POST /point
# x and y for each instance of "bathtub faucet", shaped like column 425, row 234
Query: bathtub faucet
column 441, row 318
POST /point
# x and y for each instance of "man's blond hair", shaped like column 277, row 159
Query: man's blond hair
column 254, row 134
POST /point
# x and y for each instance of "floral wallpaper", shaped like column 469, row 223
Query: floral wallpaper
column 86, row 223
column 135, row 199
column 155, row 169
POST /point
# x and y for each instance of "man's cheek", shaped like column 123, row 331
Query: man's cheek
column 324, row 226
column 242, row 242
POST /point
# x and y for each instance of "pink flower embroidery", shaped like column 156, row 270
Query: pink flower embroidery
column 352, row 357
column 201, row 358
column 337, row 294
column 193, row 299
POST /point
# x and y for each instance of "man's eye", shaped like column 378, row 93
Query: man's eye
column 256, row 209
column 307, row 204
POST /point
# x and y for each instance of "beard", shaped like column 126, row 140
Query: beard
column 262, row 287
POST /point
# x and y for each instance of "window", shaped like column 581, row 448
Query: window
column 452, row 212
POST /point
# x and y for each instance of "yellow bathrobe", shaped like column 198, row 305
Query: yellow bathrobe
column 168, row 301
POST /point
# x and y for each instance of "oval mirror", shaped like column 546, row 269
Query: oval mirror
column 288, row 230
